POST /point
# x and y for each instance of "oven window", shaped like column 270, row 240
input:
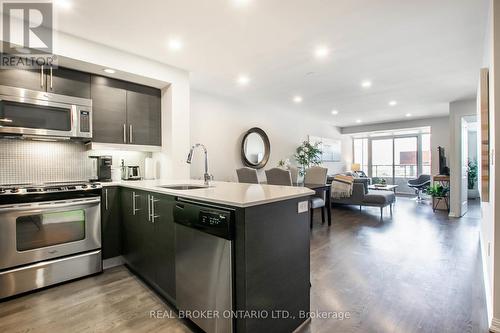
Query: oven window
column 46, row 229
column 35, row 116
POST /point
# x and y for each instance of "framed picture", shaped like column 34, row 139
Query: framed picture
column 331, row 148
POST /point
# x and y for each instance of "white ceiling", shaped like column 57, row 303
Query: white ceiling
column 422, row 53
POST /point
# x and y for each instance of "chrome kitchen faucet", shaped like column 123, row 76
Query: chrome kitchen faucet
column 206, row 176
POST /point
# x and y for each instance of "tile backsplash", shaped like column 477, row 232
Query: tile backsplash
column 25, row 161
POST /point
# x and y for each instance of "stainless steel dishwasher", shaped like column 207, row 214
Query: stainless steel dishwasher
column 203, row 265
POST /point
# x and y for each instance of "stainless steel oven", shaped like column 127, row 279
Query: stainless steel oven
column 44, row 230
column 48, row 235
column 31, row 113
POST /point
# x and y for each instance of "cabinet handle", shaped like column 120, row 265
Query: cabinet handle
column 124, row 133
column 131, row 135
column 153, row 216
column 41, row 76
column 50, row 77
column 106, row 198
column 149, row 208
column 134, row 210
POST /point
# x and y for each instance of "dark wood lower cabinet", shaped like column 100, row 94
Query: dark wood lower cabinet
column 111, row 222
column 148, row 238
column 164, row 243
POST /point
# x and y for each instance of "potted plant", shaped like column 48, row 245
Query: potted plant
column 437, row 191
column 307, row 155
column 472, row 174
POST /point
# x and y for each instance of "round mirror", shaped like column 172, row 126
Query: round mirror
column 255, row 148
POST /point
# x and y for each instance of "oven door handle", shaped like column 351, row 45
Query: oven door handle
column 50, row 205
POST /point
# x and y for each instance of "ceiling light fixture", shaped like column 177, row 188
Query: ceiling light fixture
column 243, row 80
column 393, row 103
column 321, row 52
column 408, row 115
column 297, row 99
column 175, row 44
column 109, row 70
column 63, row 4
column 335, row 112
column 241, row 3
column 366, row 84
column 358, row 121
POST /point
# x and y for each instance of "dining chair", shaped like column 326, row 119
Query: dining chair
column 247, row 175
column 317, row 175
column 277, row 176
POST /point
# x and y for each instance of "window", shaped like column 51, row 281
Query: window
column 426, row 154
column 395, row 157
column 361, row 153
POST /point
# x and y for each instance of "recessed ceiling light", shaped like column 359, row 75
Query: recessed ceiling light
column 366, row 84
column 297, row 99
column 175, row 44
column 358, row 121
column 393, row 103
column 321, row 52
column 243, row 80
column 335, row 112
column 109, row 70
column 66, row 4
column 241, row 3
column 408, row 114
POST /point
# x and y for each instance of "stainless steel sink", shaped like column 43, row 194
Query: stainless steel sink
column 183, row 187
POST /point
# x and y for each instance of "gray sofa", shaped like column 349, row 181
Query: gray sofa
column 361, row 196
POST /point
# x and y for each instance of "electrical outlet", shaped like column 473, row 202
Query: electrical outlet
column 303, row 206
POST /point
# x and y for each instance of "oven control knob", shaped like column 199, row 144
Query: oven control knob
column 93, row 186
column 14, row 190
column 2, row 191
column 84, row 186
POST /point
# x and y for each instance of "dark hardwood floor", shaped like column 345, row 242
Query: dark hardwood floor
column 416, row 272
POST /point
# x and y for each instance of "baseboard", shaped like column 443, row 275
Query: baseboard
column 112, row 262
column 495, row 325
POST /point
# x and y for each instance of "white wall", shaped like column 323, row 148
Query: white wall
column 220, row 124
column 489, row 233
column 440, row 135
column 175, row 95
column 458, row 110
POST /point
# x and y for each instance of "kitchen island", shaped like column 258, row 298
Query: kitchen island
column 269, row 276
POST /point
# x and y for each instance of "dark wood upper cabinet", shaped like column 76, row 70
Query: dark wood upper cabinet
column 60, row 80
column 125, row 112
column 69, row 82
column 144, row 116
column 109, row 110
column 32, row 79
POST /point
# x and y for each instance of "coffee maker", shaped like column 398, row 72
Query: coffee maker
column 102, row 168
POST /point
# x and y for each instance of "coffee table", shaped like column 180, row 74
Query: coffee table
column 383, row 188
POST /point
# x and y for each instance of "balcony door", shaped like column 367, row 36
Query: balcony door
column 396, row 160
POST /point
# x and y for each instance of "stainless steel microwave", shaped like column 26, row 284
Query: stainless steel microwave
column 37, row 114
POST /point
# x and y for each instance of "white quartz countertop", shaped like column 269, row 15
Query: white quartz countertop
column 232, row 194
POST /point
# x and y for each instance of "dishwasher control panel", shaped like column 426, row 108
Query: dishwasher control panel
column 212, row 220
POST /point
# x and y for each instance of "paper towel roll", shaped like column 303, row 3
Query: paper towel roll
column 149, row 166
